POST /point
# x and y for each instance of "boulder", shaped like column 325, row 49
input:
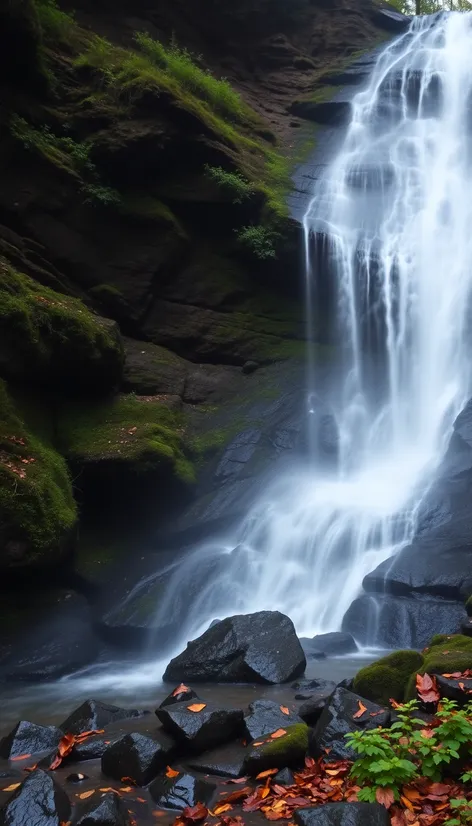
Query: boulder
column 201, row 730
column 226, row 761
column 335, row 644
column 310, row 711
column 264, row 717
column 390, row 20
column 180, row 694
column 39, row 801
column 388, row 678
column 288, row 750
column 343, row 814
column 29, row 738
column 138, row 757
column 284, row 778
column 311, row 650
column 107, row 810
column 458, row 689
column 337, row 720
column 180, row 792
column 93, row 715
column 417, row 569
column 314, row 686
column 466, row 627
column 92, row 748
column 261, row 647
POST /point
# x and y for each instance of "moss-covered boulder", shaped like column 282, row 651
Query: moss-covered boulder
column 444, row 655
column 387, row 678
column 289, row 749
column 126, row 447
column 37, row 509
column 52, row 339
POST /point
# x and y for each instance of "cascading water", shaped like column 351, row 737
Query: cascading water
column 396, row 208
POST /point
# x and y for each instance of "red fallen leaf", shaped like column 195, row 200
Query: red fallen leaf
column 309, row 762
column 267, row 773
column 279, row 733
column 265, row 792
column 261, row 743
column 427, row 688
column 462, row 686
column 398, row 819
column 126, row 789
column 31, row 768
column 239, row 794
column 21, row 757
column 272, row 815
column 181, row 689
column 171, row 772
column 407, row 803
column 362, row 710
column 376, row 713
column 196, row 707
column 439, row 788
column 129, row 780
column 237, row 780
column 394, row 703
column 195, row 813
column 455, row 675
column 284, row 710
column 141, row 800
column 79, row 738
column 411, row 794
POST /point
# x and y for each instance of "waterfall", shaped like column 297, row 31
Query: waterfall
column 394, row 211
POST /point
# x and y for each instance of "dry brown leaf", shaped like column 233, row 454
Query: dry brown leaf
column 362, row 710
column 279, row 733
column 267, row 773
column 126, row 789
column 385, row 797
column 12, row 787
column 284, row 710
column 85, row 795
column 196, row 707
column 181, row 689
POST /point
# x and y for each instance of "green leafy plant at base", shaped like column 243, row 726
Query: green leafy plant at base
column 463, row 810
column 233, row 183
column 453, row 733
column 259, row 240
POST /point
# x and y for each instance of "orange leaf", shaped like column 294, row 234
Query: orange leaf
column 427, row 688
column 265, row 792
column 129, row 780
column 11, row 788
column 385, row 797
column 407, row 803
column 284, row 710
column 267, row 773
column 31, row 768
column 21, row 757
column 261, row 743
column 85, row 795
column 362, row 710
column 126, row 789
column 222, row 807
column 195, row 813
column 181, row 689
column 140, row 800
column 462, row 686
column 171, row 772
column 196, row 707
column 411, row 794
column 108, row 789
column 279, row 733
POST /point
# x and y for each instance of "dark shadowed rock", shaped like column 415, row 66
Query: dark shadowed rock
column 335, row 644
column 314, row 686
column 284, row 778
column 343, row 814
column 261, row 647
column 311, row 651
column 28, row 738
column 180, row 694
column 455, row 689
column 179, row 792
column 266, row 716
column 203, row 729
column 108, row 810
column 94, row 715
column 466, row 627
column 390, row 20
column 310, row 711
column 289, row 750
column 92, row 748
column 337, row 719
column 225, row 761
column 138, row 757
column 39, row 801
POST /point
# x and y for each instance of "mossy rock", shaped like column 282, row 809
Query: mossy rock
column 387, row 678
column 288, row 750
column 37, row 508
column 444, row 655
column 49, row 339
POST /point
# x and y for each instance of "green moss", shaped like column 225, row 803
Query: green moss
column 288, row 750
column 444, row 655
column 47, row 337
column 140, row 432
column 148, row 209
column 387, row 678
column 37, row 508
column 442, row 643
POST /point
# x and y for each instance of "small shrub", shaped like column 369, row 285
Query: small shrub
column 259, row 240
column 235, row 184
column 97, row 194
column 463, row 809
column 55, row 23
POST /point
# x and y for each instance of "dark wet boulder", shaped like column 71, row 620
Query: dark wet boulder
column 287, row 750
column 107, row 810
column 137, row 756
column 455, row 688
column 92, row 748
column 284, row 777
column 181, row 694
column 225, row 761
column 179, row 792
column 39, row 801
column 466, row 627
column 388, row 677
column 343, row 814
column 310, row 711
column 266, row 716
column 261, row 647
column 201, row 730
column 337, row 720
column 311, row 651
column 335, row 644
column 29, row 738
column 93, row 715
column 389, row 19
column 314, row 686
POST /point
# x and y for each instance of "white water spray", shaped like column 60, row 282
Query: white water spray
column 396, row 206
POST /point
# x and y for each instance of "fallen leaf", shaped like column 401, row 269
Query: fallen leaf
column 427, row 688
column 21, row 757
column 284, row 710
column 411, row 794
column 108, row 789
column 85, row 795
column 195, row 813
column 267, row 773
column 222, row 807
column 12, row 787
column 279, row 733
column 31, row 768
column 181, row 689
column 265, row 792
column 462, row 686
column 171, row 772
column 407, row 803
column 239, row 794
column 140, row 800
column 157, row 813
column 196, row 707
column 129, row 780
column 362, row 710
column 126, row 789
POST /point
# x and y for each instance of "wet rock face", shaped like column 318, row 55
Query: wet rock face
column 335, row 644
column 138, row 757
column 343, row 814
column 179, row 792
column 29, row 738
column 109, row 810
column 94, row 715
column 201, row 730
column 266, row 716
column 261, row 647
column 39, row 801
column 226, row 761
column 337, row 720
column 185, row 695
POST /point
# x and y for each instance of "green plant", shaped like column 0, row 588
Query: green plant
column 233, row 183
column 454, row 732
column 99, row 194
column 463, row 810
column 56, row 24
column 259, row 240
